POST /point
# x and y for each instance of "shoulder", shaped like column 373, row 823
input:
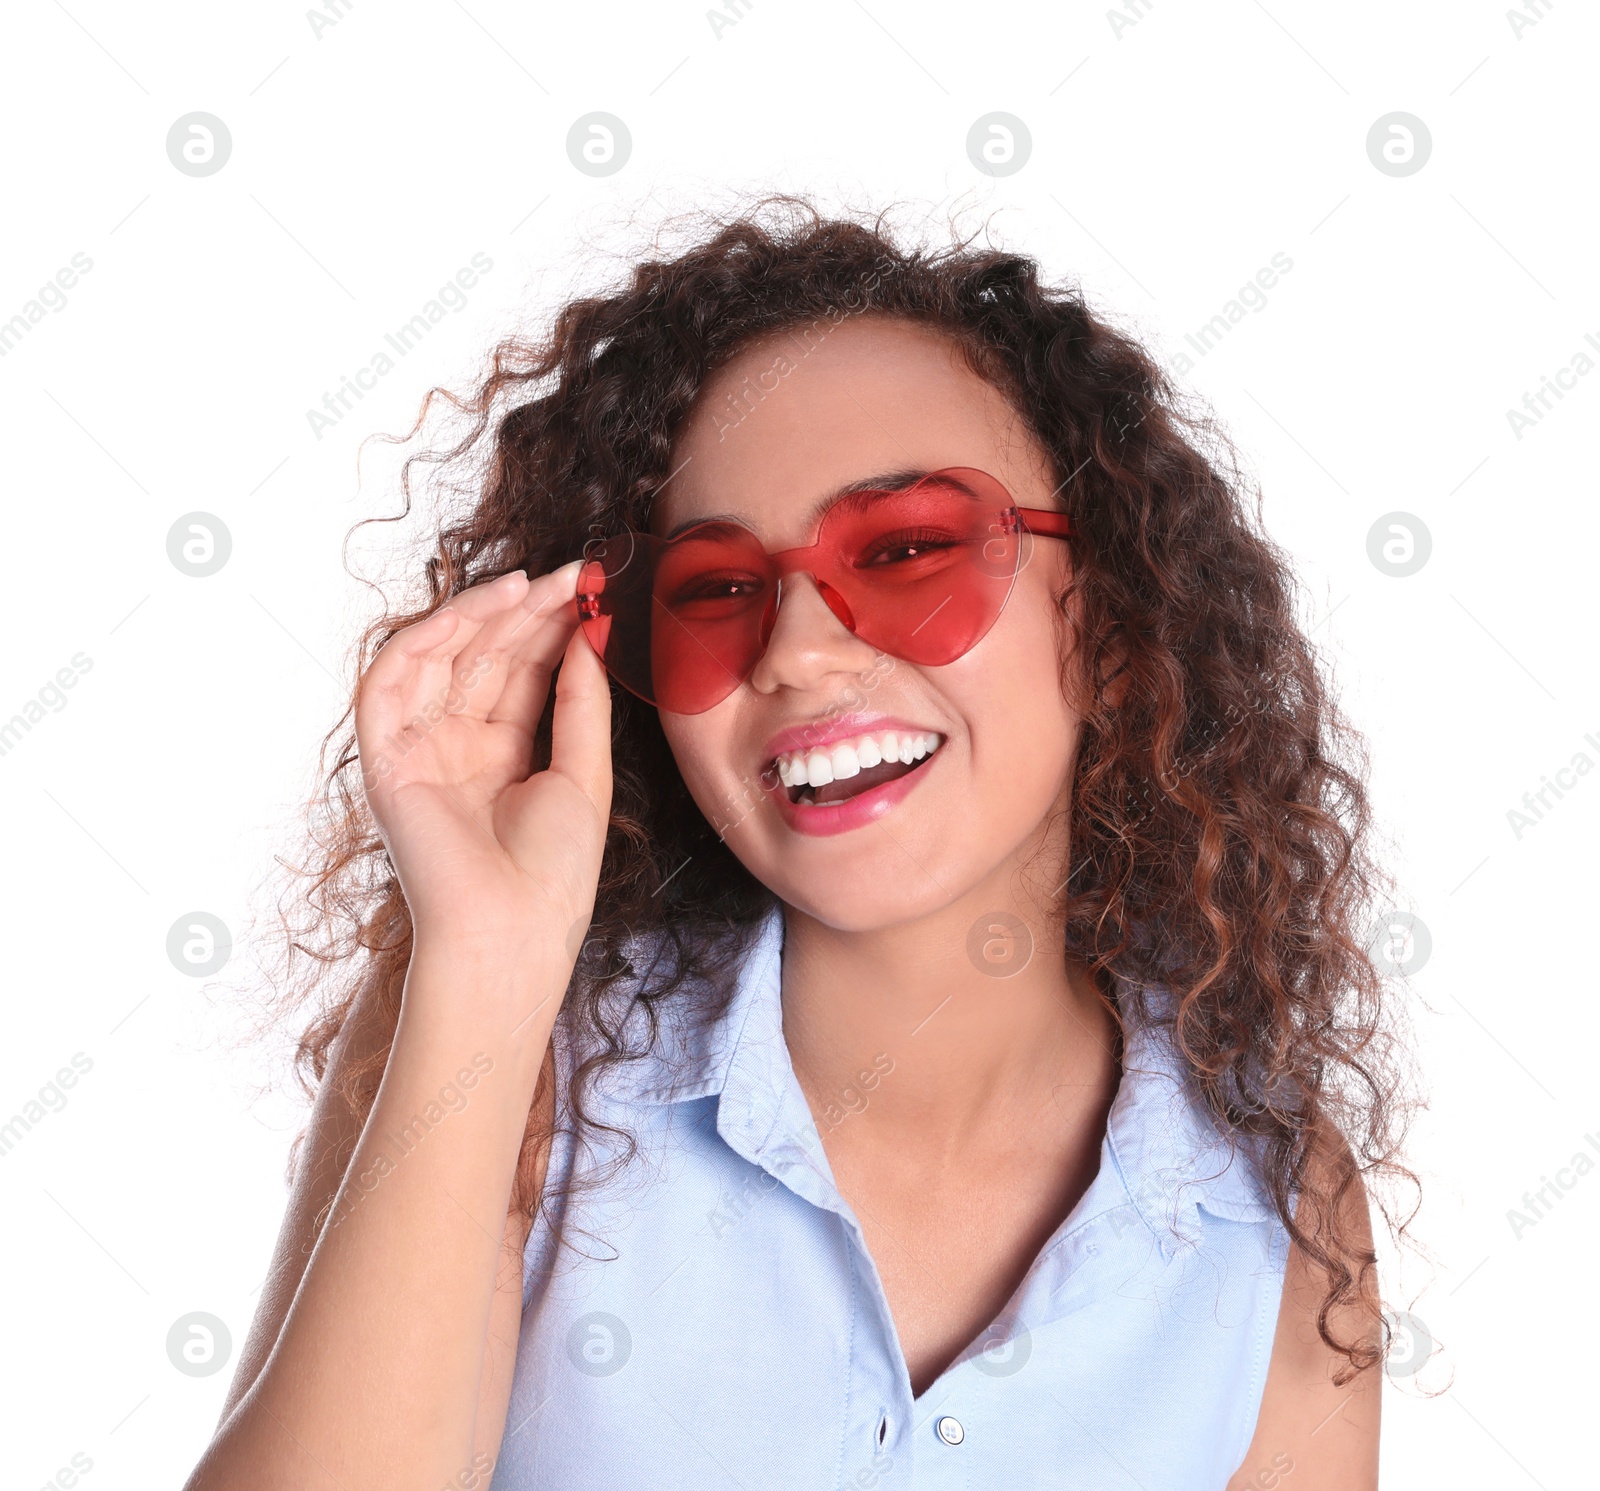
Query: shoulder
column 1324, row 1430
column 1318, row 1417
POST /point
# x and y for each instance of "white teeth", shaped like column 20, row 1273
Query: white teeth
column 817, row 766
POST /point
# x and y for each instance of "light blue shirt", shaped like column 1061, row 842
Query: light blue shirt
column 727, row 1326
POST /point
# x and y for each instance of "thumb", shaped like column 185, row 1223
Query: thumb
column 580, row 743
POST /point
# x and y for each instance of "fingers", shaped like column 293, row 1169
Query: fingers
column 418, row 659
column 581, row 729
column 524, row 645
column 454, row 677
column 504, row 633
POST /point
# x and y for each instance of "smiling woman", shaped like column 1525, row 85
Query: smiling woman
column 944, row 722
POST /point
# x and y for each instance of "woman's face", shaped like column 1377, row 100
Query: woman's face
column 872, row 396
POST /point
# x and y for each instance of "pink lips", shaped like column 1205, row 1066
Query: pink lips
column 855, row 811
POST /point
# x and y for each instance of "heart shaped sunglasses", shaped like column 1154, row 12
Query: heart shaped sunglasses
column 920, row 572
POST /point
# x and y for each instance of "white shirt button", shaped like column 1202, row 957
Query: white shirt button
column 950, row 1430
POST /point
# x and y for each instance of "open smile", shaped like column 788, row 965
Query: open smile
column 834, row 773
column 846, row 783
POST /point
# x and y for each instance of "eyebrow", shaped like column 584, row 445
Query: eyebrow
column 886, row 481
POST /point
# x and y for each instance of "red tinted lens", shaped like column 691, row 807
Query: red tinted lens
column 921, row 574
column 680, row 624
column 924, row 571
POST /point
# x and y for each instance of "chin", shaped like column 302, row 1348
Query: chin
column 852, row 908
column 865, row 880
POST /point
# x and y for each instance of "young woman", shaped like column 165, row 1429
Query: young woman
column 863, row 922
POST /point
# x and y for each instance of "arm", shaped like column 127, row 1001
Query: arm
column 330, row 1141
column 1326, row 1435
column 392, row 1365
column 383, row 1352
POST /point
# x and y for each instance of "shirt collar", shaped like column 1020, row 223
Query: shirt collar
column 694, row 1058
column 1175, row 1166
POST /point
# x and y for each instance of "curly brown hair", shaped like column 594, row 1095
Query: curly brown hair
column 1220, row 829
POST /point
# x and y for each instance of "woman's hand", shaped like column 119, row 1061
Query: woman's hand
column 489, row 856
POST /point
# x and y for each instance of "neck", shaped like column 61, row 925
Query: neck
column 912, row 1033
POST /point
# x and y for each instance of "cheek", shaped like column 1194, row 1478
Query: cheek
column 1023, row 727
column 1022, row 657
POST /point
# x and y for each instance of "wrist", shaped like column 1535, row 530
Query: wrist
column 492, row 949
column 501, row 1001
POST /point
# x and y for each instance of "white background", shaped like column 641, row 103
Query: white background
column 1172, row 156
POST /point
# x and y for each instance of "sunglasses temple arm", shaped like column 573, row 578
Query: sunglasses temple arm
column 1044, row 522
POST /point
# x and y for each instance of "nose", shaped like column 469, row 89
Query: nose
column 809, row 641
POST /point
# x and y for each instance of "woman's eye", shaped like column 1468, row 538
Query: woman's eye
column 903, row 550
column 718, row 588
